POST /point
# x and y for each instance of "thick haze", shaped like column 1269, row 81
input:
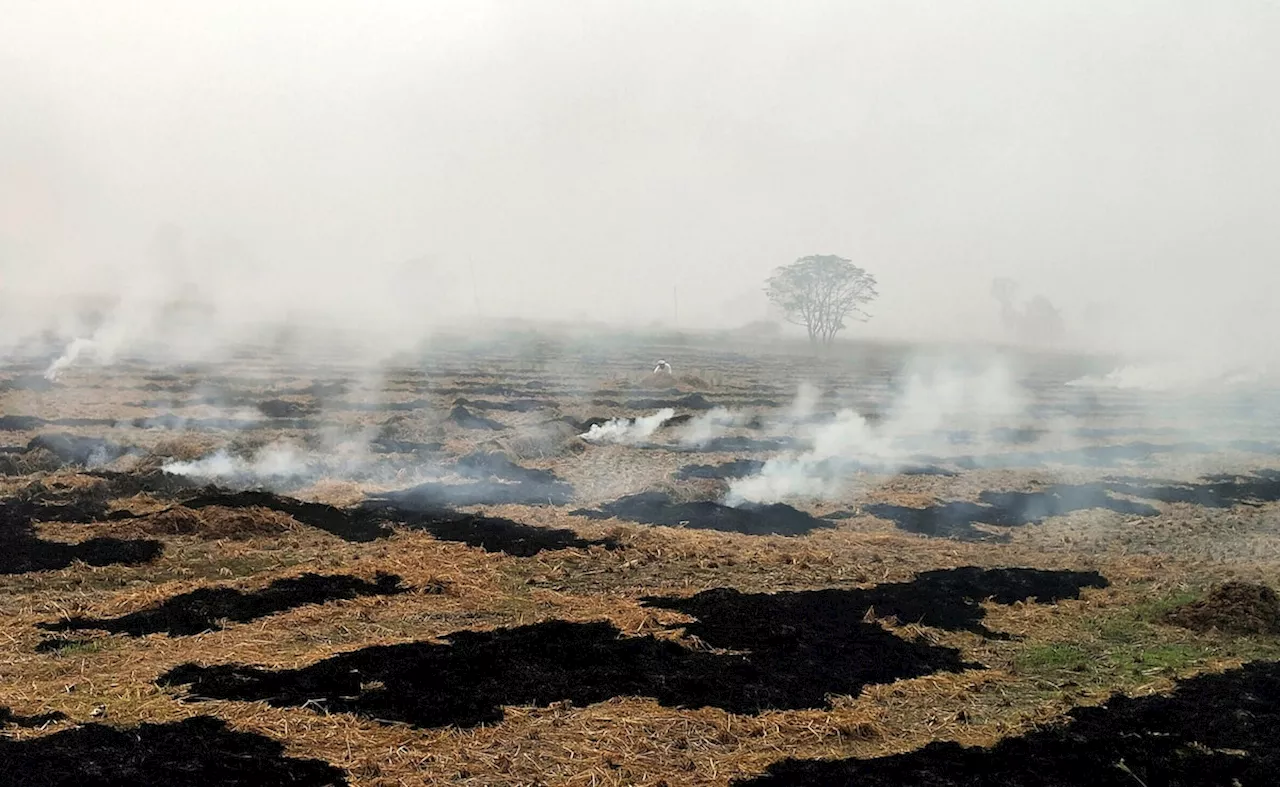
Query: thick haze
column 372, row 162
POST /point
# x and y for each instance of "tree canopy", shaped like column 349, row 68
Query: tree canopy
column 820, row 292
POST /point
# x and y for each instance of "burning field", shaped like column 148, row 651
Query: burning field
column 755, row 570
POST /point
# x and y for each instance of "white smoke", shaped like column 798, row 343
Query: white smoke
column 132, row 318
column 936, row 401
column 68, row 357
column 1173, row 376
column 706, row 427
column 627, row 431
column 275, row 462
column 338, row 455
column 803, row 406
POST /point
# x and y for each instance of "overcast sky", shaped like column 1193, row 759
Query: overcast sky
column 584, row 159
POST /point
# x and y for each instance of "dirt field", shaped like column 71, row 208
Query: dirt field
column 257, row 572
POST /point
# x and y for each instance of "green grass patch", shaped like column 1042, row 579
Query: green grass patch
column 75, row 647
column 1154, row 610
column 1056, row 657
column 1138, row 661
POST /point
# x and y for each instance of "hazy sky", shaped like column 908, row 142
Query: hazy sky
column 585, row 158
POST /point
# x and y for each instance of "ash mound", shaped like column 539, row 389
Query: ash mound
column 1232, row 608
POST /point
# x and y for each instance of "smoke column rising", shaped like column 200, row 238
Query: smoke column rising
column 938, row 398
column 628, row 431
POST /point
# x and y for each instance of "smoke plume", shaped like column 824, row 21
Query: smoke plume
column 628, row 431
column 938, row 399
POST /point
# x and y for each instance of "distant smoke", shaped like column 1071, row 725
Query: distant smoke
column 627, row 431
column 1173, row 376
column 68, row 357
column 804, row 404
column 704, row 428
column 283, row 464
column 936, row 401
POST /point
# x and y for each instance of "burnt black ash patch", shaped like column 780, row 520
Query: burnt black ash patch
column 945, row 598
column 171, row 422
column 1210, row 730
column 285, row 408
column 152, row 482
column 507, row 406
column 468, row 680
column 492, row 534
column 436, row 495
column 347, row 525
column 42, row 502
column 1016, row 435
column 387, row 445
column 28, row 382
column 734, row 444
column 934, row 470
column 692, row 401
column 491, row 464
column 493, row 480
column 323, row 389
column 1220, row 491
column 957, row 519
column 790, row 651
column 584, row 426
column 205, row 609
column 196, row 752
column 75, row 450
column 464, row 418
column 409, row 509
column 22, row 551
column 21, row 423
column 10, row 719
column 737, row 468
column 657, row 508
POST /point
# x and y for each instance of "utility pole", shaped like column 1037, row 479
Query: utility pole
column 675, row 305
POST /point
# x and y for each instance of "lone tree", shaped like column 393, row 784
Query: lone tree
column 819, row 292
